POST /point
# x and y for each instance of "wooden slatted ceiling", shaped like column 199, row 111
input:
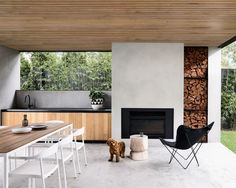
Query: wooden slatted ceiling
column 94, row 24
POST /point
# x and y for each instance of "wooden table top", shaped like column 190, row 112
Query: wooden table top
column 10, row 141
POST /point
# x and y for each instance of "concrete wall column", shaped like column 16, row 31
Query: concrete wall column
column 9, row 76
column 214, row 93
column 147, row 75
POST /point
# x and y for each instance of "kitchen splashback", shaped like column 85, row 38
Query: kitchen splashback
column 58, row 99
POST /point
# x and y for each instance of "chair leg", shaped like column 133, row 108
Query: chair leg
column 29, row 151
column 194, row 152
column 173, row 153
column 194, row 156
column 64, row 173
column 85, row 156
column 186, row 158
column 33, row 182
column 43, row 182
column 29, row 183
column 10, row 166
column 73, row 160
column 33, row 151
column 78, row 161
column 59, row 177
column 15, row 160
column 174, row 157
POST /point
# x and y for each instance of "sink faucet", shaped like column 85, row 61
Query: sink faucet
column 29, row 104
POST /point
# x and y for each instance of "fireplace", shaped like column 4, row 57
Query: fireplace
column 154, row 122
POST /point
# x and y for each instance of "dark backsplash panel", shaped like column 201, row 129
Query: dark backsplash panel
column 59, row 99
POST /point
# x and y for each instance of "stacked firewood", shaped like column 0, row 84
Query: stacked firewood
column 195, row 62
column 195, row 94
column 195, row 86
column 195, row 119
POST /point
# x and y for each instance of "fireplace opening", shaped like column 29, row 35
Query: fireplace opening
column 154, row 122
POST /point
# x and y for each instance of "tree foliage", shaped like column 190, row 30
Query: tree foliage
column 66, row 71
column 24, row 71
column 229, row 56
column 228, row 95
column 228, row 98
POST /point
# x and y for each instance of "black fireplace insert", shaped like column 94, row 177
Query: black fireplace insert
column 154, row 122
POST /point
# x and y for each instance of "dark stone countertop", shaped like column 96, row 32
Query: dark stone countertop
column 104, row 110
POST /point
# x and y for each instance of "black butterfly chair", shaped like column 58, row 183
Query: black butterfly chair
column 186, row 139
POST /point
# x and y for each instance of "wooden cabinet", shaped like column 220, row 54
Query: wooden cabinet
column 97, row 125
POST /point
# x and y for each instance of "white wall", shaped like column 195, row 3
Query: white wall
column 147, row 75
column 9, row 76
column 214, row 93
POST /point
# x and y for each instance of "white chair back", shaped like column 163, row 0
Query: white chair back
column 79, row 144
column 49, row 151
column 67, row 140
column 2, row 126
column 55, row 121
column 79, row 132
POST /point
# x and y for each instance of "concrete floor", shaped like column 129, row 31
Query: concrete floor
column 217, row 170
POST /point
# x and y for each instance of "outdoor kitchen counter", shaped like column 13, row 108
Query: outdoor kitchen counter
column 96, row 122
column 105, row 110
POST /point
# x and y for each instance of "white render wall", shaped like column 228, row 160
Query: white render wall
column 147, row 75
column 9, row 76
column 214, row 93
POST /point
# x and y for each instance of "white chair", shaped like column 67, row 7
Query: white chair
column 55, row 137
column 39, row 166
column 66, row 153
column 51, row 139
column 3, row 126
column 55, row 121
column 79, row 145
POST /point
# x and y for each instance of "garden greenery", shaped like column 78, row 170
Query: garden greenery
column 228, row 94
column 228, row 98
column 66, row 71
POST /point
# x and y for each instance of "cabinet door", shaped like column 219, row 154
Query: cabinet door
column 97, row 125
column 12, row 118
column 88, row 123
column 102, row 126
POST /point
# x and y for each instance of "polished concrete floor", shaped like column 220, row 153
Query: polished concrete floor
column 217, row 170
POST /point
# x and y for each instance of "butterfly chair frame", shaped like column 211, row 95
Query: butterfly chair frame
column 187, row 138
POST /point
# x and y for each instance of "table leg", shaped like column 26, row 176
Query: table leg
column 6, row 171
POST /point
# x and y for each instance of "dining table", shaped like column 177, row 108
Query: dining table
column 10, row 142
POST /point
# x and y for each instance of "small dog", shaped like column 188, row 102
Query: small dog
column 116, row 148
